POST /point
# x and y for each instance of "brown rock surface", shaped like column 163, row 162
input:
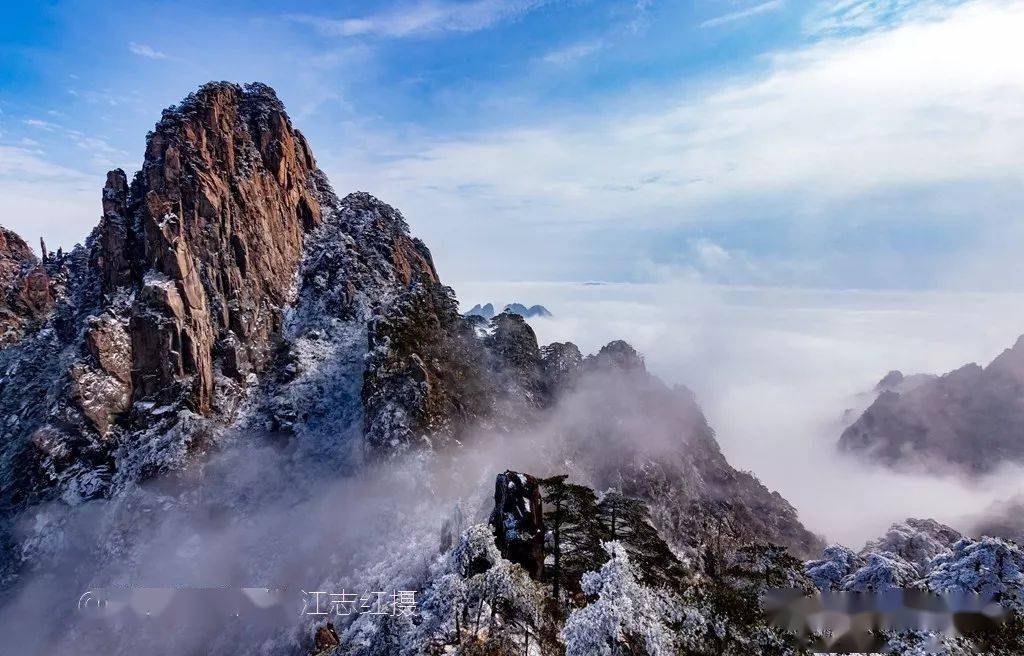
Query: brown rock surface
column 221, row 207
column 167, row 319
column 25, row 290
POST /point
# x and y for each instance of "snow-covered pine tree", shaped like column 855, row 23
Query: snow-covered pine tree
column 627, row 521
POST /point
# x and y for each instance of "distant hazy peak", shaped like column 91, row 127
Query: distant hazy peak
column 487, row 310
column 971, row 418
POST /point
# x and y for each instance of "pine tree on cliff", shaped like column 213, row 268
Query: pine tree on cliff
column 627, row 521
column 571, row 516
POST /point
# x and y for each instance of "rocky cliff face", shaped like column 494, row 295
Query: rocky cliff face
column 25, row 288
column 971, row 419
column 625, row 428
column 170, row 316
column 208, row 237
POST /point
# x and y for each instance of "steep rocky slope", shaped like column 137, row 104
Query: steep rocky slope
column 502, row 588
column 970, row 419
column 168, row 317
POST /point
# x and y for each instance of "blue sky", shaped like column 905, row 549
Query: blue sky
column 856, row 143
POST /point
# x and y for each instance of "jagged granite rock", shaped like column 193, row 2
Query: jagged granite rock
column 223, row 171
column 487, row 310
column 425, row 380
column 562, row 364
column 623, row 427
column 174, row 312
column 517, row 361
column 25, row 288
column 971, row 419
column 15, row 254
column 518, row 521
column 896, row 381
column 616, row 355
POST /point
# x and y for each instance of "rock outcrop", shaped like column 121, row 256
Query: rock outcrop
column 971, row 419
column 487, row 311
column 219, row 213
column 174, row 311
column 26, row 295
column 518, row 521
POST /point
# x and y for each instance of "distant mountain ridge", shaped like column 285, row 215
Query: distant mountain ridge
column 970, row 419
column 487, row 310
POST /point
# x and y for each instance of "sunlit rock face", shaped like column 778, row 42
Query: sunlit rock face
column 969, row 420
column 25, row 288
column 191, row 298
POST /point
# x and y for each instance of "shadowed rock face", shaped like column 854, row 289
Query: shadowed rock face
column 518, row 521
column 971, row 419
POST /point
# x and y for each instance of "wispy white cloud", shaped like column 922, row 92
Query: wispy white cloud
column 916, row 109
column 40, row 124
column 39, row 197
column 30, row 163
column 857, row 16
column 573, row 53
column 748, row 12
column 143, row 50
column 424, row 18
column 99, row 96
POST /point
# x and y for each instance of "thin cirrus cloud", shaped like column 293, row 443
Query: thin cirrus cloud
column 573, row 53
column 29, row 163
column 39, row 197
column 422, row 18
column 755, row 10
column 857, row 16
column 143, row 50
